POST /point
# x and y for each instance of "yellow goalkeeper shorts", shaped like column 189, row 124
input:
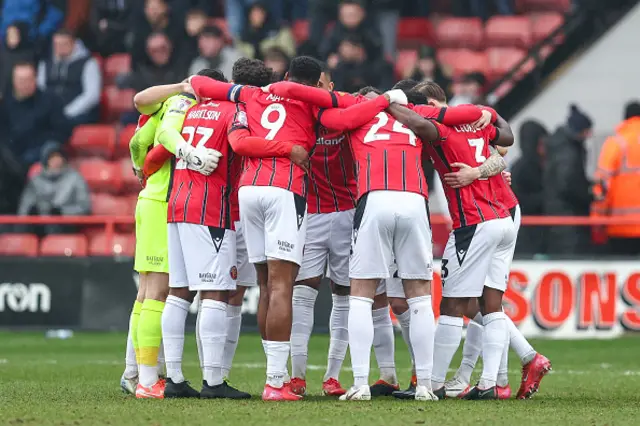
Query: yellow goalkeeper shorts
column 152, row 245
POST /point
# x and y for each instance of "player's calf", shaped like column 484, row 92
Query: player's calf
column 448, row 335
column 304, row 298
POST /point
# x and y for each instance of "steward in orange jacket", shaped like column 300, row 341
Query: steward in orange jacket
column 617, row 183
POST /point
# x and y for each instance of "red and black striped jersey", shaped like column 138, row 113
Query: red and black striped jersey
column 503, row 192
column 333, row 186
column 194, row 197
column 388, row 156
column 474, row 203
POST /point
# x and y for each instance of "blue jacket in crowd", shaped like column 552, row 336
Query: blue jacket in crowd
column 43, row 17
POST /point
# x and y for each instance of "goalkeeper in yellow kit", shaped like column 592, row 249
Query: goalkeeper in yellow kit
column 162, row 107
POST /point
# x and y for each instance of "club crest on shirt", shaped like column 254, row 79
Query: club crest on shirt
column 234, row 273
column 183, row 105
column 241, row 118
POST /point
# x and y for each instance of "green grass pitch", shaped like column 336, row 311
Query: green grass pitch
column 76, row 382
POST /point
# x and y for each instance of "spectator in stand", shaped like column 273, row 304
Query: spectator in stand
column 279, row 10
column 355, row 71
column 427, row 68
column 195, row 22
column 567, row 189
column 262, row 33
column 469, row 90
column 617, row 186
column 58, row 190
column 109, row 23
column 156, row 17
column 214, row 53
column 480, row 9
column 387, row 14
column 526, row 182
column 29, row 117
column 352, row 21
column 74, row 75
column 278, row 61
column 43, row 17
column 165, row 68
column 16, row 47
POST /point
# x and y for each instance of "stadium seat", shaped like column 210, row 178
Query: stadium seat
column 460, row 33
column 101, row 175
column 130, row 183
column 64, row 245
column 406, row 59
column 19, row 245
column 116, row 102
column 118, row 63
column 300, row 30
column 463, row 60
column 415, row 31
column 502, row 59
column 508, row 31
column 109, row 205
column 543, row 24
column 34, row 170
column 121, row 245
column 562, row 6
column 124, row 137
column 93, row 140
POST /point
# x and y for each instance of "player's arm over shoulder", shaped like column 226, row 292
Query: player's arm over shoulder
column 423, row 128
column 312, row 95
column 500, row 133
column 142, row 139
column 172, row 119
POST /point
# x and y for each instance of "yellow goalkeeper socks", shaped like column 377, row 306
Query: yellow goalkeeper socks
column 134, row 321
column 149, row 340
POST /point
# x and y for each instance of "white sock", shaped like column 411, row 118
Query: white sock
column 493, row 341
column 471, row 349
column 405, row 320
column 277, row 357
column 131, row 366
column 339, row 336
column 303, row 302
column 234, row 322
column 148, row 375
column 422, row 331
column 213, row 334
column 447, row 339
column 384, row 344
column 162, row 368
column 360, row 337
column 174, row 317
column 503, row 371
column 519, row 344
column 198, row 337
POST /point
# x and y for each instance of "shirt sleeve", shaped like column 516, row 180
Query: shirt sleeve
column 206, row 87
column 344, row 119
column 492, row 133
column 155, row 159
column 141, row 141
column 450, row 116
column 170, row 126
column 312, row 95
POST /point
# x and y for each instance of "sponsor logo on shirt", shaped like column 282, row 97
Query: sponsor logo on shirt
column 285, row 246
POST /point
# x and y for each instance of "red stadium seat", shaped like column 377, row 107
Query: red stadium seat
column 460, row 33
column 508, row 31
column 108, row 205
column 300, row 30
column 118, row 63
column 116, row 102
column 64, row 245
column 19, row 245
column 503, row 59
column 562, row 6
column 35, row 169
column 121, row 245
column 463, row 61
column 122, row 146
column 130, row 183
column 93, row 140
column 544, row 24
column 406, row 59
column 415, row 31
column 101, row 175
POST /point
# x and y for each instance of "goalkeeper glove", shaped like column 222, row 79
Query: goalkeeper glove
column 200, row 159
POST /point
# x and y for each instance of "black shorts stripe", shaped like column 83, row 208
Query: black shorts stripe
column 217, row 236
column 300, row 203
column 463, row 237
column 359, row 213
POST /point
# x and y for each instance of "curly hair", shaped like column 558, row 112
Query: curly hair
column 251, row 72
column 305, row 70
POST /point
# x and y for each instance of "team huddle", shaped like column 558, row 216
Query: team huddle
column 279, row 185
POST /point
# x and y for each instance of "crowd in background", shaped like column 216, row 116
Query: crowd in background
column 50, row 82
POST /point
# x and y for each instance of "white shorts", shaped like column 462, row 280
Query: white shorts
column 327, row 246
column 392, row 285
column 391, row 225
column 246, row 271
column 274, row 222
column 202, row 257
column 475, row 252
